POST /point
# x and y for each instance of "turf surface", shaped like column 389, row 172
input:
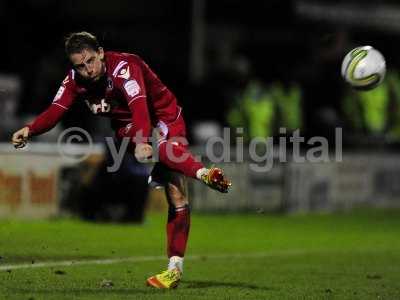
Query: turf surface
column 254, row 256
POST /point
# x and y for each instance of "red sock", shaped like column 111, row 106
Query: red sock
column 178, row 158
column 178, row 230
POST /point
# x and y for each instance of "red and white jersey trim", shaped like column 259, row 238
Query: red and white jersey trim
column 66, row 108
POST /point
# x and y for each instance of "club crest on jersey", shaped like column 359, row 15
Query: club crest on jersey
column 124, row 73
column 102, row 107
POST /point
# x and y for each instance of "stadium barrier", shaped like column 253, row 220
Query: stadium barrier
column 251, row 191
column 359, row 180
column 31, row 184
column 29, row 178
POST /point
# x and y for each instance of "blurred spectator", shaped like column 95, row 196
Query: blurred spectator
column 322, row 85
column 375, row 113
column 262, row 110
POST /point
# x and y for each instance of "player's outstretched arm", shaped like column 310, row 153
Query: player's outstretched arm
column 43, row 123
column 20, row 137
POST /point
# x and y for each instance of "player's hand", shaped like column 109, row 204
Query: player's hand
column 143, row 152
column 20, row 137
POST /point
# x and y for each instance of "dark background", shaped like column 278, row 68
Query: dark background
column 285, row 41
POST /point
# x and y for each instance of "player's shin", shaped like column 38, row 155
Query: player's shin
column 177, row 235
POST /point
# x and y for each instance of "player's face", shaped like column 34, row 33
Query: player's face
column 89, row 63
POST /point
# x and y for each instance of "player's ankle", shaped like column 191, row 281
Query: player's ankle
column 201, row 172
column 175, row 262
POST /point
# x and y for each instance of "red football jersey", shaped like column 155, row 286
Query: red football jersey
column 129, row 92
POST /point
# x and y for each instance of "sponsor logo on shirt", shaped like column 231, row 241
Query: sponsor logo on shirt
column 132, row 87
column 102, row 107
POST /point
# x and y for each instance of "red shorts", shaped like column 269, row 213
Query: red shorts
column 175, row 132
column 176, row 128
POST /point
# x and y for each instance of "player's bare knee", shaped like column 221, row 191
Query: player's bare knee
column 176, row 196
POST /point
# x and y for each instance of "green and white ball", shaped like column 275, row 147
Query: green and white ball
column 364, row 68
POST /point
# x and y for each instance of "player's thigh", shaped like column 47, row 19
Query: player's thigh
column 177, row 190
column 175, row 184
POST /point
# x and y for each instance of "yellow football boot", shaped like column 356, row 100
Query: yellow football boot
column 168, row 279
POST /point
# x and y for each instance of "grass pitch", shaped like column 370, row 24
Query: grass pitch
column 342, row 256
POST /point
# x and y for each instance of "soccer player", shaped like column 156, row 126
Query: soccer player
column 121, row 86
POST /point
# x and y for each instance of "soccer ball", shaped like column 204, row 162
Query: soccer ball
column 364, row 68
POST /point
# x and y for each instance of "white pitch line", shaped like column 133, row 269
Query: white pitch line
column 68, row 263
column 107, row 261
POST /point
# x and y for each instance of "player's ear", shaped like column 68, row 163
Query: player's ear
column 100, row 51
